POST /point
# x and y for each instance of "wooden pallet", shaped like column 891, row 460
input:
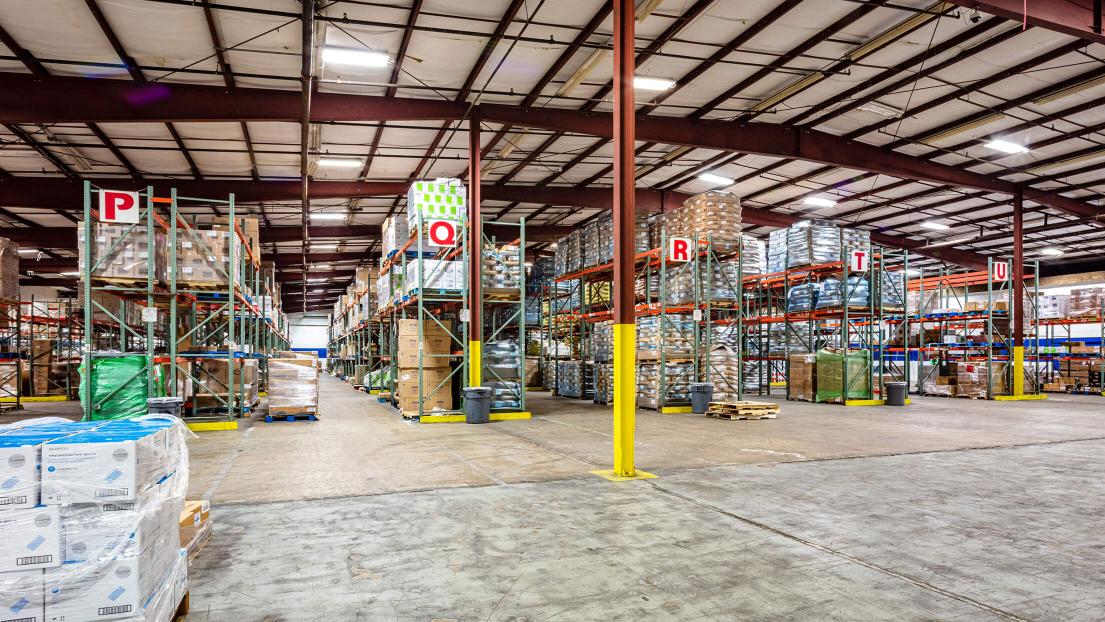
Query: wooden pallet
column 273, row 417
column 182, row 609
column 742, row 410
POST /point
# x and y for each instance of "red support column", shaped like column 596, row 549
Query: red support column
column 475, row 253
column 1018, row 269
column 625, row 335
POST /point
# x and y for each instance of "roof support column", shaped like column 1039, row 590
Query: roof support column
column 1018, row 292
column 625, row 330
column 475, row 254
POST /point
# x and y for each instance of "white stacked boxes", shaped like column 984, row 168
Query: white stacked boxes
column 441, row 199
column 435, row 274
column 105, row 544
column 395, row 234
column 1053, row 306
column 121, row 252
column 203, row 256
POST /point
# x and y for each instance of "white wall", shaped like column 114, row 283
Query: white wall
column 309, row 330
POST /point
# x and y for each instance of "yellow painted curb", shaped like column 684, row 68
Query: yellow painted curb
column 511, row 416
column 609, row 474
column 36, row 398
column 673, row 410
column 1021, row 398
column 212, row 426
column 865, row 402
column 373, row 391
column 441, row 419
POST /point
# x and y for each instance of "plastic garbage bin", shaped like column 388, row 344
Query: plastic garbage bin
column 702, row 393
column 477, row 404
column 165, row 406
column 895, row 394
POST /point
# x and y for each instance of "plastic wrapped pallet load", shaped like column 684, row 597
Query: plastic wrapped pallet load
column 830, row 375
column 96, row 536
column 1087, row 301
column 801, row 377
column 9, row 270
column 673, row 387
column 715, row 216
column 724, row 372
column 293, row 385
column 119, row 389
column 119, row 252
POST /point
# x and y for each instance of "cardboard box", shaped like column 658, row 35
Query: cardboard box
column 117, row 589
column 99, row 532
column 433, row 348
column 801, row 380
column 22, row 597
column 194, row 526
column 407, row 389
column 107, row 466
column 19, row 460
column 31, row 539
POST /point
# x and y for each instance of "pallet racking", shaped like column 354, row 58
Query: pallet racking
column 195, row 335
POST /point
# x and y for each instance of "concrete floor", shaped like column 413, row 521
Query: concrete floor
column 945, row 510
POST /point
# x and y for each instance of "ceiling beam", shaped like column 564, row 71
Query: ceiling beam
column 1076, row 18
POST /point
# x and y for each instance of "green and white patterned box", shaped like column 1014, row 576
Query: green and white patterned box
column 441, row 199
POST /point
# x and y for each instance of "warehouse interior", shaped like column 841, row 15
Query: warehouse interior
column 552, row 310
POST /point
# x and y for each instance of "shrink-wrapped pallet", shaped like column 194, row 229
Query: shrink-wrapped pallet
column 119, row 252
column 655, row 389
column 94, row 532
column 293, row 386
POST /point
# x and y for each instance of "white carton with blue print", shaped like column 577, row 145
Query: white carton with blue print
column 22, row 597
column 30, row 539
column 108, row 464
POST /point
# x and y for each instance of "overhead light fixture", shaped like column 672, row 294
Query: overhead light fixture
column 328, row 216
column 717, row 180
column 1051, row 252
column 881, row 109
column 70, row 273
column 935, row 226
column 28, row 251
column 360, row 58
column 819, row 202
column 321, row 247
column 947, row 242
column 341, row 162
column 322, row 266
column 317, row 280
column 652, row 84
column 1006, row 146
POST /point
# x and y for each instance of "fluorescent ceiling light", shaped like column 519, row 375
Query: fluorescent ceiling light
column 1051, row 252
column 321, row 247
column 652, row 84
column 70, row 273
column 28, row 251
column 947, row 242
column 328, row 216
column 341, row 162
column 322, row 266
column 881, row 109
column 361, row 58
column 1006, row 146
column 819, row 202
column 935, row 226
column 717, row 179
column 316, row 280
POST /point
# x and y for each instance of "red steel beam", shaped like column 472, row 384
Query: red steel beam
column 1077, row 18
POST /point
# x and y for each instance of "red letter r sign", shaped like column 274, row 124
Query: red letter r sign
column 118, row 206
column 442, row 233
column 679, row 249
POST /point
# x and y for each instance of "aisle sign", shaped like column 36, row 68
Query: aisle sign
column 443, row 233
column 858, row 261
column 679, row 249
column 999, row 270
column 119, row 206
column 149, row 314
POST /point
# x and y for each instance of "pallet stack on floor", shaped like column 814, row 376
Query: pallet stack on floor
column 293, row 386
column 93, row 534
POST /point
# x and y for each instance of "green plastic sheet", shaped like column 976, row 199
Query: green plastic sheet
column 830, row 375
column 118, row 388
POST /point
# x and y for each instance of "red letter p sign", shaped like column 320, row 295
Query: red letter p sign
column 443, row 233
column 999, row 270
column 679, row 249
column 118, row 206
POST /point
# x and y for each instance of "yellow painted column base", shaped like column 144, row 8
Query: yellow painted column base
column 1018, row 371
column 614, row 477
column 675, row 410
column 475, row 363
column 625, row 399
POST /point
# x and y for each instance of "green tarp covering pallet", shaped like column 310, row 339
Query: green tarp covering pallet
column 831, row 365
column 118, row 388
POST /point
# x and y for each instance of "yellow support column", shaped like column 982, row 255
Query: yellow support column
column 475, row 363
column 625, row 406
column 1018, row 370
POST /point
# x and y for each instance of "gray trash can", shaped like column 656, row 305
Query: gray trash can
column 895, row 394
column 165, row 406
column 702, row 393
column 477, row 404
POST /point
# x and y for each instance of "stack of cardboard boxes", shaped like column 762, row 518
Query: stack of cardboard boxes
column 435, row 351
column 212, row 386
column 122, row 252
column 89, row 529
column 293, row 384
column 800, row 377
